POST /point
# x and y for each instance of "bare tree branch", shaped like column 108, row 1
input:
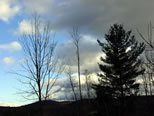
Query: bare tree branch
column 39, row 49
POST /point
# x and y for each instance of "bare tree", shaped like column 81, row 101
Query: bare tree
column 88, row 83
column 149, row 58
column 69, row 73
column 76, row 39
column 145, row 79
column 40, row 67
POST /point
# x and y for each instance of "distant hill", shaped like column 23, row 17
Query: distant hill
column 44, row 103
column 49, row 108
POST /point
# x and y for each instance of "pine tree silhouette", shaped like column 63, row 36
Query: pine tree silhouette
column 120, row 65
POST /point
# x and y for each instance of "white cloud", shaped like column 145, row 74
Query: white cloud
column 25, row 27
column 8, row 9
column 14, row 46
column 8, row 60
column 62, row 89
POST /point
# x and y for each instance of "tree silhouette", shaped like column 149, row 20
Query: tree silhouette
column 120, row 65
column 75, row 35
column 39, row 64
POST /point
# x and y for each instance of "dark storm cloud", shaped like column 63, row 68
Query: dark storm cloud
column 95, row 16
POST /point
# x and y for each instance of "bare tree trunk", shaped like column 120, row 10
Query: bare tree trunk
column 76, row 38
column 145, row 85
column 69, row 73
column 78, row 60
column 39, row 88
column 87, row 77
column 150, row 85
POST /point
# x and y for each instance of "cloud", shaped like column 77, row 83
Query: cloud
column 8, row 103
column 8, row 9
column 89, row 54
column 39, row 6
column 24, row 27
column 96, row 16
column 89, row 57
column 62, row 90
column 8, row 60
column 14, row 46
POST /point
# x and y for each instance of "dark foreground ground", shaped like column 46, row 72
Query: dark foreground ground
column 51, row 108
column 139, row 106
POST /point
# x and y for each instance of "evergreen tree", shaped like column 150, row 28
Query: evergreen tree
column 120, row 65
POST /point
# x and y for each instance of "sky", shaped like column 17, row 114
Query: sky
column 93, row 17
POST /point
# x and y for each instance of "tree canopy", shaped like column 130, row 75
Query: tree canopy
column 120, row 65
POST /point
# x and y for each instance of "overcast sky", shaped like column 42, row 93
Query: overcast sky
column 93, row 17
